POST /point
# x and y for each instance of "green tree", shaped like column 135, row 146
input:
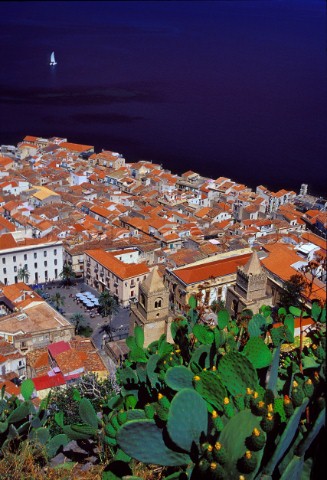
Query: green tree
column 23, row 274
column 108, row 306
column 58, row 300
column 293, row 290
column 67, row 273
column 77, row 319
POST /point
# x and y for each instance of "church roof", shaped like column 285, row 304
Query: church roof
column 153, row 282
column 253, row 266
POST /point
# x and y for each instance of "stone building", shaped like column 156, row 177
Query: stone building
column 250, row 288
column 152, row 309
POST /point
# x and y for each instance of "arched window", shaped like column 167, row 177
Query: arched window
column 157, row 303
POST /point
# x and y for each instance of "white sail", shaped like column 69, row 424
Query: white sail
column 52, row 59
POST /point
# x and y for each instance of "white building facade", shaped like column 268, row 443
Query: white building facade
column 43, row 261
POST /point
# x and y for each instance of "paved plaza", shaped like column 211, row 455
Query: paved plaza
column 71, row 306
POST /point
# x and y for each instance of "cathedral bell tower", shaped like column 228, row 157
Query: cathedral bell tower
column 250, row 288
column 152, row 309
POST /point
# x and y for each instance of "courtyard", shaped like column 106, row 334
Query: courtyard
column 92, row 318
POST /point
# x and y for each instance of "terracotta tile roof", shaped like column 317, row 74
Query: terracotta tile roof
column 217, row 268
column 71, row 360
column 76, row 147
column 11, row 388
column 120, row 269
column 312, row 238
column 7, row 241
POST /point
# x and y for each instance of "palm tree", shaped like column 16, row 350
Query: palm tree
column 23, row 274
column 77, row 319
column 67, row 273
column 58, row 300
column 108, row 305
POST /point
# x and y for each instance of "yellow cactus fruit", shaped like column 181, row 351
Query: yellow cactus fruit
column 214, row 414
column 210, row 448
column 196, row 378
column 248, row 454
column 213, row 466
column 270, row 407
column 309, row 381
column 249, row 391
column 160, row 396
column 295, row 384
column 226, row 401
column 255, row 394
column 256, row 432
column 214, row 368
column 218, row 446
column 261, row 404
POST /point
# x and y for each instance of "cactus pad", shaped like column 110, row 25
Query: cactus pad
column 188, row 418
column 179, row 377
column 257, row 352
column 143, row 440
column 237, row 373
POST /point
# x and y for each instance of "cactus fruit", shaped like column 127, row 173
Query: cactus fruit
column 162, row 412
column 267, row 423
column 228, row 408
column 122, row 417
column 247, row 463
column 208, row 452
column 110, row 430
column 259, row 408
column 297, row 394
column 217, row 472
column 163, row 401
column 149, row 410
column 308, row 388
column 217, row 421
column 256, row 441
column 219, row 453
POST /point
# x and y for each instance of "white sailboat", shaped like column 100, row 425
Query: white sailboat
column 52, row 59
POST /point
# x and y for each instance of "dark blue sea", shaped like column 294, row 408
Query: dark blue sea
column 225, row 88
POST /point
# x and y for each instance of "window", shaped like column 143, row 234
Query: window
column 56, row 273
column 45, row 263
column 14, row 258
column 56, row 261
column 4, row 261
column 157, row 303
column 25, row 256
column 35, row 255
column 45, row 254
column 4, row 270
column 35, row 265
column 55, row 251
column 15, row 268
